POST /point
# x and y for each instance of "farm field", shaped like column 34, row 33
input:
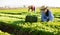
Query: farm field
column 4, row 33
column 13, row 22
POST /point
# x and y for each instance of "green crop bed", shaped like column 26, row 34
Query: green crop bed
column 17, row 18
column 4, row 33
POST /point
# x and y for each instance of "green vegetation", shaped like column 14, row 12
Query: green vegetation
column 4, row 33
column 31, row 18
column 14, row 20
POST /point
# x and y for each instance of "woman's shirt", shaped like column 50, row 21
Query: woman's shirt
column 47, row 15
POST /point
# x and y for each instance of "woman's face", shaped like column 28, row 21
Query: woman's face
column 44, row 10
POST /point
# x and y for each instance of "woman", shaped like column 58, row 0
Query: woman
column 32, row 8
column 46, row 14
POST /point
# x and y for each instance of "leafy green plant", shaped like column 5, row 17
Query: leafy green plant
column 30, row 18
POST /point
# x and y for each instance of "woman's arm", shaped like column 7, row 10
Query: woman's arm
column 51, row 17
column 43, row 17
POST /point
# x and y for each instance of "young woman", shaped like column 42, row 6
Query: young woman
column 46, row 14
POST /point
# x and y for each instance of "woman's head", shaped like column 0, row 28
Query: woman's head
column 44, row 8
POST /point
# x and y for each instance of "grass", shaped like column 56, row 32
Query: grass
column 4, row 33
column 17, row 18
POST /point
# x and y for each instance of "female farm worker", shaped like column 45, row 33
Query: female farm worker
column 46, row 15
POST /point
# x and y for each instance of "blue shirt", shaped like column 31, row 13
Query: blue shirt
column 44, row 17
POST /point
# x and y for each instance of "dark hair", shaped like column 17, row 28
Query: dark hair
column 47, row 13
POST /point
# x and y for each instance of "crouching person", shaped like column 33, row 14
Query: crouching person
column 46, row 14
column 32, row 8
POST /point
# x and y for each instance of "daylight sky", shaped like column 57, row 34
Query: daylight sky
column 20, row 3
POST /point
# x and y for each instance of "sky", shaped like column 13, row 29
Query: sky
column 37, row 3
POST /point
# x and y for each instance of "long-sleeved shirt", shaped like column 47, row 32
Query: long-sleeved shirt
column 44, row 17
